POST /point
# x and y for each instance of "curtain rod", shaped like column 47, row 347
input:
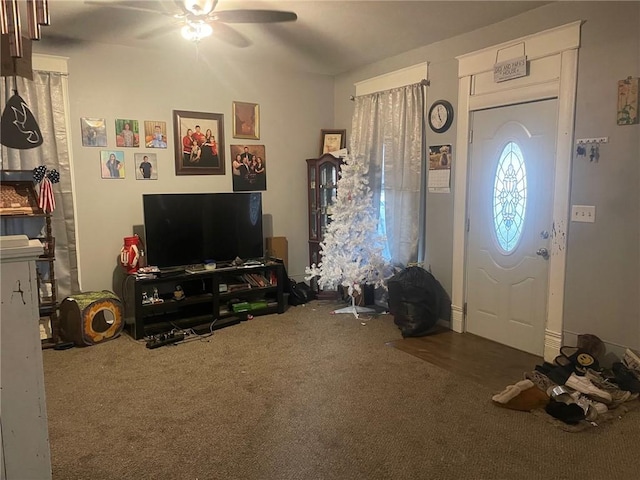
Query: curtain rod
column 424, row 82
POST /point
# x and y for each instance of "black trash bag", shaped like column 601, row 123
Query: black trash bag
column 417, row 300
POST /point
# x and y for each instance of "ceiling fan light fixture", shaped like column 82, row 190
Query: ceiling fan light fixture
column 194, row 32
column 199, row 7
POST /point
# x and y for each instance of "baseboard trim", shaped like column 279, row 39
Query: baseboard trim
column 457, row 319
column 552, row 344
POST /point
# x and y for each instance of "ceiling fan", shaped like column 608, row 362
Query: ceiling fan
column 199, row 18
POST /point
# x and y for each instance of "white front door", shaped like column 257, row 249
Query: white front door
column 512, row 165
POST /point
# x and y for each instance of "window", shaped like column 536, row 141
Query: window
column 382, row 223
column 509, row 197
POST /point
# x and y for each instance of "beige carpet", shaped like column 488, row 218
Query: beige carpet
column 302, row 395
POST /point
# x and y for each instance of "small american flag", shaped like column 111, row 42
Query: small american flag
column 46, row 202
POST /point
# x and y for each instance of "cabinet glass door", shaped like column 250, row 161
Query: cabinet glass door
column 313, row 205
column 328, row 192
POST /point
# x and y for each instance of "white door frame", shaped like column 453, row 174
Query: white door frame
column 553, row 67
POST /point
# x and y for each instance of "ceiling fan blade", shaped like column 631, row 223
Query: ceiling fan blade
column 229, row 35
column 124, row 5
column 155, row 32
column 253, row 16
column 63, row 40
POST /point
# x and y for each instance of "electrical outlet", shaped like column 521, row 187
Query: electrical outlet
column 583, row 213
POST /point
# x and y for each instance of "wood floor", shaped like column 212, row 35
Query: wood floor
column 483, row 361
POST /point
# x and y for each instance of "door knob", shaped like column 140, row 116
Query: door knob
column 543, row 252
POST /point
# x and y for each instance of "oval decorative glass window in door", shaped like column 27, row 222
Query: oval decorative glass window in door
column 509, row 197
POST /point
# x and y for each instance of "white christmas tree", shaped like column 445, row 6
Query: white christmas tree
column 352, row 247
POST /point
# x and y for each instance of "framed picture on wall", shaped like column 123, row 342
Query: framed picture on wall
column 199, row 143
column 155, row 134
column 248, row 165
column 112, row 164
column 146, row 166
column 94, row 132
column 628, row 101
column 127, row 133
column 332, row 140
column 246, row 120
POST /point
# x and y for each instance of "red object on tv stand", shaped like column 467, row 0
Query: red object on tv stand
column 131, row 254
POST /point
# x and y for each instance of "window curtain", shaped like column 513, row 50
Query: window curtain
column 386, row 136
column 45, row 97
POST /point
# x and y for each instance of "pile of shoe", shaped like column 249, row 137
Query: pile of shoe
column 575, row 387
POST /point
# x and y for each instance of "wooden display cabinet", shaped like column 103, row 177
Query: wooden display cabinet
column 322, row 184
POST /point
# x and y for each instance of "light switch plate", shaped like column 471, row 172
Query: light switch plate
column 583, row 213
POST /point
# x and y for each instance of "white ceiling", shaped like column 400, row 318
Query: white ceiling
column 329, row 36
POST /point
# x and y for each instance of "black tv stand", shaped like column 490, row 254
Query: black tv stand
column 210, row 297
column 171, row 272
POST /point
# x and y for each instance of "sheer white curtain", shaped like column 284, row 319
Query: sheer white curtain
column 45, row 98
column 386, row 136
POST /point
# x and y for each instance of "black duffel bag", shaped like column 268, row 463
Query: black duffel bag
column 417, row 300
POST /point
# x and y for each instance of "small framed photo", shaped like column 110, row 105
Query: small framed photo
column 199, row 143
column 127, row 133
column 94, row 132
column 628, row 101
column 146, row 166
column 112, row 164
column 332, row 140
column 248, row 166
column 155, row 134
column 246, row 120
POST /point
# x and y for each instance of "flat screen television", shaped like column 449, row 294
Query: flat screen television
column 190, row 228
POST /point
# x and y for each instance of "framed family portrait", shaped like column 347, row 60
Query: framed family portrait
column 246, row 120
column 199, row 143
column 249, row 167
column 332, row 141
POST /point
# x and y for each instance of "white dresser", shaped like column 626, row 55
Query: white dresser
column 24, row 434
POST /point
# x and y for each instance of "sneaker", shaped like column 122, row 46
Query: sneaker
column 625, row 379
column 540, row 380
column 618, row 395
column 632, row 360
column 584, row 385
column 592, row 409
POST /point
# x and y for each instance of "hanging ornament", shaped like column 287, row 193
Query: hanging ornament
column 39, row 173
column 53, row 175
column 18, row 127
column 46, row 179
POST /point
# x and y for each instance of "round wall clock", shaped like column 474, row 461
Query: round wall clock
column 440, row 116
